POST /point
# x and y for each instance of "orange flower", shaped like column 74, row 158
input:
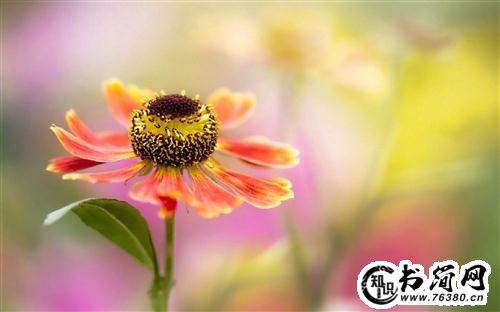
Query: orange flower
column 172, row 134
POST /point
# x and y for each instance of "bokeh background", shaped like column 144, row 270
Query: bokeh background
column 393, row 105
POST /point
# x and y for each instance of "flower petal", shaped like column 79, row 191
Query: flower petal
column 261, row 193
column 122, row 101
column 70, row 164
column 172, row 185
column 260, row 151
column 104, row 139
column 80, row 129
column 115, row 139
column 112, row 176
column 163, row 183
column 231, row 108
column 82, row 149
column 214, row 199
column 146, row 190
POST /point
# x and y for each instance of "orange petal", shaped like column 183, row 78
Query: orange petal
column 115, row 139
column 281, row 181
column 146, row 190
column 82, row 149
column 172, row 185
column 214, row 199
column 122, row 101
column 80, row 129
column 231, row 108
column 112, row 176
column 260, row 151
column 261, row 193
column 108, row 138
column 70, row 164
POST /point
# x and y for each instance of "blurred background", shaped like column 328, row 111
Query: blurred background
column 394, row 107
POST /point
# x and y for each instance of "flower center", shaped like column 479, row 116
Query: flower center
column 174, row 130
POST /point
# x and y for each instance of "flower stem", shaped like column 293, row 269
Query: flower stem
column 159, row 293
column 169, row 257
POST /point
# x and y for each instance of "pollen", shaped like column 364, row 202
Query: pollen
column 174, row 130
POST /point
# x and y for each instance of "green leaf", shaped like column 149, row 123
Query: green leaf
column 117, row 221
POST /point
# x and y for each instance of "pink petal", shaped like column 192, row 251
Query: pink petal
column 146, row 190
column 82, row 149
column 78, row 127
column 172, row 185
column 122, row 101
column 261, row 193
column 231, row 108
column 260, row 151
column 70, row 164
column 214, row 199
column 112, row 176
column 115, row 139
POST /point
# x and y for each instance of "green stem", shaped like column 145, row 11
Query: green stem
column 159, row 292
column 169, row 257
column 157, row 295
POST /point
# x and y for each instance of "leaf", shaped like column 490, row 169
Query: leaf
column 117, row 221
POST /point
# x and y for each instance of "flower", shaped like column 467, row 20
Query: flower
column 297, row 43
column 292, row 39
column 172, row 139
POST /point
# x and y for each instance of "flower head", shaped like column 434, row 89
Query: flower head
column 291, row 39
column 297, row 43
column 172, row 140
column 174, row 130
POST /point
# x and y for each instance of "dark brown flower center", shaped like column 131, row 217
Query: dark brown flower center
column 174, row 130
column 175, row 105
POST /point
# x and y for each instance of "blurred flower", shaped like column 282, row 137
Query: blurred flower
column 297, row 40
column 358, row 68
column 418, row 229
column 232, row 35
column 170, row 134
column 280, row 38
